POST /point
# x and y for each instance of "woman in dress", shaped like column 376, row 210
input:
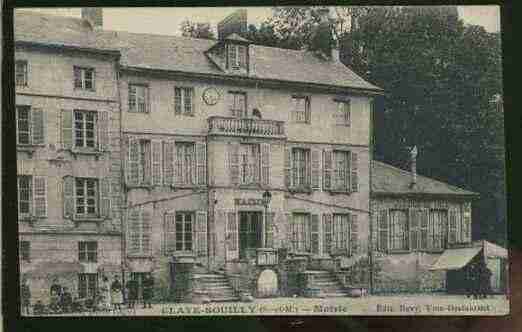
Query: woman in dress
column 116, row 294
column 105, row 292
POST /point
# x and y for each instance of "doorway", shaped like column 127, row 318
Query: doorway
column 250, row 231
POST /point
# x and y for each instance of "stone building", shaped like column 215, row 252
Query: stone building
column 415, row 222
column 68, row 152
column 242, row 167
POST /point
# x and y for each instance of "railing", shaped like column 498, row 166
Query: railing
column 219, row 125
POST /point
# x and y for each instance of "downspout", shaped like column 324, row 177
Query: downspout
column 370, row 214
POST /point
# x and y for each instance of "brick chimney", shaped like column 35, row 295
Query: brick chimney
column 93, row 15
column 233, row 23
column 413, row 160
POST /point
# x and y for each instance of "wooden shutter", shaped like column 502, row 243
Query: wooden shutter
column 384, row 231
column 201, row 229
column 38, row 126
column 354, row 178
column 201, row 160
column 327, row 233
column 327, row 169
column 466, row 223
column 105, row 197
column 242, row 56
column 67, row 129
column 133, row 164
column 233, row 163
column 308, row 109
column 452, row 227
column 314, row 233
column 134, row 229
column 414, row 221
column 289, row 237
column 354, row 235
column 269, row 230
column 316, row 169
column 156, row 161
column 103, row 130
column 68, row 197
column 265, row 164
column 77, row 77
column 170, row 233
column 231, row 240
column 288, row 167
column 168, row 162
column 424, row 227
column 146, row 230
column 40, row 196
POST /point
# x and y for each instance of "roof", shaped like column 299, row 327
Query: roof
column 387, row 179
column 174, row 53
column 454, row 259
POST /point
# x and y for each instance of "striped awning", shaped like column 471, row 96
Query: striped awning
column 454, row 259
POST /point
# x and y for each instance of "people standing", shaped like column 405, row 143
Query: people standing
column 66, row 300
column 116, row 293
column 105, row 292
column 132, row 293
column 148, row 290
column 25, row 293
column 56, row 295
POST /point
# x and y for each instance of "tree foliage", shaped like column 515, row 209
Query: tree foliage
column 196, row 30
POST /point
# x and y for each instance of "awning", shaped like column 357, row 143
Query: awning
column 454, row 259
column 492, row 250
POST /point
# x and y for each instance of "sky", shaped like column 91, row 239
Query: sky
column 166, row 21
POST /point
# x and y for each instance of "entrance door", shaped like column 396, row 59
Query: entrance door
column 250, row 231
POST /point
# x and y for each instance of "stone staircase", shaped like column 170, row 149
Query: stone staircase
column 216, row 287
column 327, row 283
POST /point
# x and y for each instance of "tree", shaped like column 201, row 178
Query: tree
column 196, row 30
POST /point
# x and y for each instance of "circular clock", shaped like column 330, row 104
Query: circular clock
column 211, row 96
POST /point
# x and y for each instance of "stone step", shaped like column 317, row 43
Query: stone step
column 225, row 299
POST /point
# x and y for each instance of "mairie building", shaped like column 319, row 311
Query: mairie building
column 219, row 167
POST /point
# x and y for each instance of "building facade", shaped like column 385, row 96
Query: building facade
column 69, row 168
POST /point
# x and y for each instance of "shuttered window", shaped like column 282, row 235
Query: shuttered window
column 237, row 104
column 316, row 169
column 453, row 234
column 237, row 56
column 437, row 229
column 157, row 163
column 83, row 78
column 341, row 179
column 185, row 163
column 399, row 233
column 425, row 242
column 466, row 223
column 201, row 233
column 249, row 167
column 184, row 229
column 138, row 98
column 300, row 168
column 85, row 129
column 414, row 219
column 342, row 115
column 139, row 227
column 86, row 197
column 300, row 232
column 184, row 101
column 88, row 251
column 301, row 109
column 327, row 169
column 30, row 125
column 32, row 196
column 327, row 232
column 21, row 73
column 383, row 231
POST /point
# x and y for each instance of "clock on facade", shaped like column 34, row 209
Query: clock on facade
column 211, row 96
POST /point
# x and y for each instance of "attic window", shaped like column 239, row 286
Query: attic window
column 236, row 56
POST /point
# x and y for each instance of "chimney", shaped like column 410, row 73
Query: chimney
column 413, row 160
column 93, row 15
column 233, row 23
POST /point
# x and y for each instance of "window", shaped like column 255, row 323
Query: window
column 250, row 231
column 87, row 285
column 301, row 109
column 139, row 231
column 236, row 56
column 299, row 229
column 184, row 231
column 29, row 125
column 249, row 159
column 437, row 230
column 185, row 163
column 32, row 196
column 341, row 233
column 341, row 179
column 399, row 230
column 238, row 104
column 184, row 101
column 86, row 197
column 88, row 251
column 138, row 98
column 343, row 112
column 301, row 167
column 21, row 73
column 25, row 251
column 84, row 78
column 85, row 129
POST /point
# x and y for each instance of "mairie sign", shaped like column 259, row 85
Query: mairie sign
column 248, row 201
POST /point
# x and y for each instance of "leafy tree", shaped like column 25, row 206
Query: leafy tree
column 196, row 30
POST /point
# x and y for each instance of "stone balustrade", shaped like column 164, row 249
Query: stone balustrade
column 230, row 126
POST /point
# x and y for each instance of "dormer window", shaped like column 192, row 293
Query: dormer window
column 236, row 58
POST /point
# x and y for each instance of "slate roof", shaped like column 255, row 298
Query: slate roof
column 183, row 54
column 387, row 179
